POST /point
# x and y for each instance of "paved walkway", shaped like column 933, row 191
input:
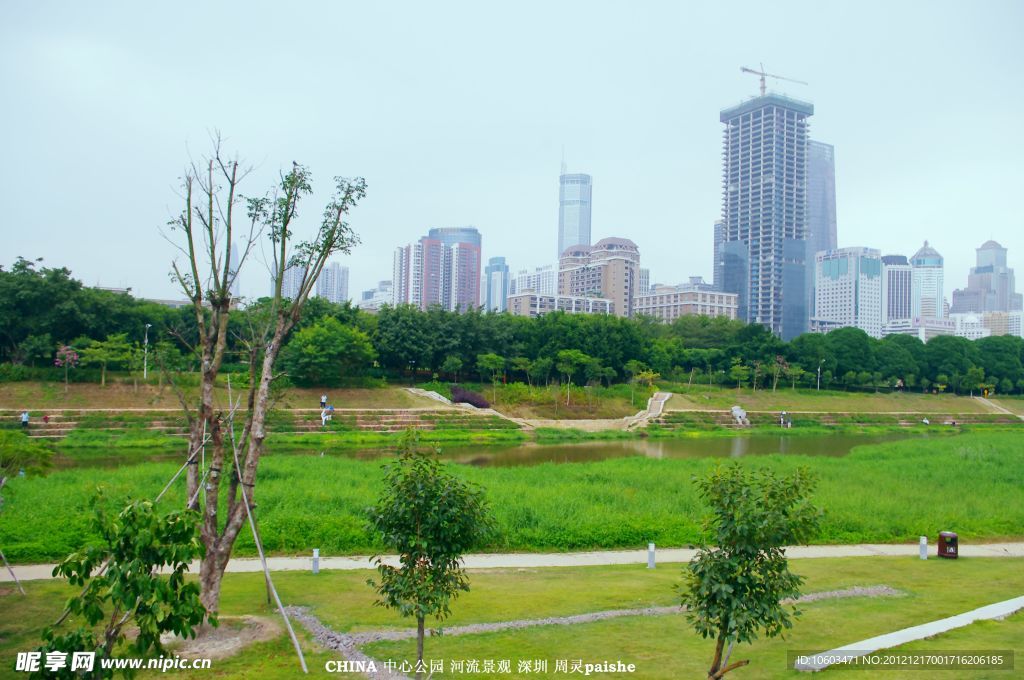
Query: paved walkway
column 29, row 572
column 998, row 408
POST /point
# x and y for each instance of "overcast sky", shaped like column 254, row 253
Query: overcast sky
column 457, row 114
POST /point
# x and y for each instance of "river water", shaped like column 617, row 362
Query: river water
column 533, row 453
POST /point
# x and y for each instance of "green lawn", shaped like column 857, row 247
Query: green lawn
column 891, row 492
column 715, row 398
column 665, row 646
column 661, row 646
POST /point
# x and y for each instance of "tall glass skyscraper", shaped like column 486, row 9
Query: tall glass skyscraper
column 574, row 198
column 927, row 290
column 821, row 209
column 496, row 280
column 764, row 207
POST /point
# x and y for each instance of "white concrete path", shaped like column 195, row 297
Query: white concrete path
column 29, row 572
column 840, row 655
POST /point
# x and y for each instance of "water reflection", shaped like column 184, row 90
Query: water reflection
column 582, row 452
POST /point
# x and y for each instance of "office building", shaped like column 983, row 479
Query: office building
column 373, row 299
column 668, row 303
column 897, row 284
column 574, row 201
column 927, row 291
column 496, row 282
column 534, row 304
column 990, row 285
column 821, row 208
column 848, row 290
column 970, row 326
column 644, row 280
column 441, row 270
column 608, row 269
column 333, row 283
column 542, row 280
column 764, row 208
column 1004, row 323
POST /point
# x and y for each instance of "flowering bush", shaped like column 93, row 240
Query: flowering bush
column 460, row 395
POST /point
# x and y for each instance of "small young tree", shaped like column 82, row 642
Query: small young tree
column 114, row 350
column 540, row 369
column 739, row 372
column 735, row 586
column 568, row 363
column 779, row 368
column 452, row 365
column 493, row 364
column 67, row 358
column 631, row 369
column 522, row 365
column 431, row 519
column 129, row 593
column 795, row 374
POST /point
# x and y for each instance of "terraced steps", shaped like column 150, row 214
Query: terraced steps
column 296, row 421
column 704, row 420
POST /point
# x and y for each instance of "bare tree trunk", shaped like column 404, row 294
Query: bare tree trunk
column 221, row 544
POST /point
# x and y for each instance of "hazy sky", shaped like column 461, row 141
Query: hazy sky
column 457, row 113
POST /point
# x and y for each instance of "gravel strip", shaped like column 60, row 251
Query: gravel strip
column 348, row 643
column 341, row 643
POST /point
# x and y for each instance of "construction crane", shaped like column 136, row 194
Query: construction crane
column 761, row 73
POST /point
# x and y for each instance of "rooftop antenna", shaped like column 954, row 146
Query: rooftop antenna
column 762, row 73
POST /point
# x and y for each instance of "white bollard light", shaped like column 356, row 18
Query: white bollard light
column 316, row 560
column 924, row 547
column 650, row 556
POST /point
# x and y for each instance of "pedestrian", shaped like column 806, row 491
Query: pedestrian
column 24, row 419
column 324, row 417
column 323, row 401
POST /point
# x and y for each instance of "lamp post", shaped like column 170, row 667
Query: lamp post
column 412, row 372
column 819, row 374
column 145, row 353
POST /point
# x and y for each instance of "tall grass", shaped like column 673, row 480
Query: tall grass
column 888, row 492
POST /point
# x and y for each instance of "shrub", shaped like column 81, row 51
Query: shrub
column 464, row 396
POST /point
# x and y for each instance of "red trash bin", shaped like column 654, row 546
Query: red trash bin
column 948, row 545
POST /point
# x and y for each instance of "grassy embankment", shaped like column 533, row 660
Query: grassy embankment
column 662, row 646
column 786, row 399
column 519, row 400
column 40, row 396
column 892, row 492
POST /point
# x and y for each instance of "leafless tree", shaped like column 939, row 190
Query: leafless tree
column 203, row 233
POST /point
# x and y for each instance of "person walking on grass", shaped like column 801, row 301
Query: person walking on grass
column 24, row 419
column 323, row 401
column 324, row 417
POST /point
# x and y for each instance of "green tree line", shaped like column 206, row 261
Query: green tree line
column 44, row 308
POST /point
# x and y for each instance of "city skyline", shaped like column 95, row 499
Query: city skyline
column 488, row 154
